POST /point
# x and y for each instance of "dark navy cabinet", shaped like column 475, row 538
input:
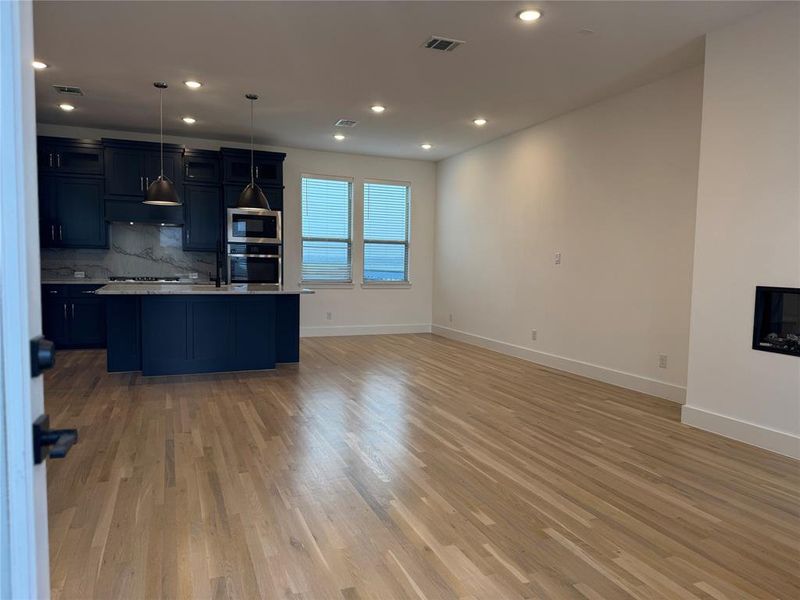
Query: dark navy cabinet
column 64, row 156
column 71, row 212
column 173, row 334
column 201, row 217
column 201, row 166
column 73, row 316
column 267, row 166
column 131, row 167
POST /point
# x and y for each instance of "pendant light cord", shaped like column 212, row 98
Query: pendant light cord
column 252, row 180
column 161, row 125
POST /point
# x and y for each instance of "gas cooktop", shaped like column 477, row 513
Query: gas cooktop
column 126, row 278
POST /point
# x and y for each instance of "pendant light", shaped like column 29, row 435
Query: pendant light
column 252, row 197
column 161, row 191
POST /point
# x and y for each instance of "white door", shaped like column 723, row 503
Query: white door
column 24, row 561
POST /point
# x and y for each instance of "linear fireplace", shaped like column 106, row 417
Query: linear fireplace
column 776, row 325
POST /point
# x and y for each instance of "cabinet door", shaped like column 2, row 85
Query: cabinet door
column 201, row 212
column 200, row 168
column 266, row 171
column 80, row 214
column 79, row 160
column 87, row 322
column 55, row 316
column 46, row 157
column 48, row 226
column 124, row 172
column 172, row 167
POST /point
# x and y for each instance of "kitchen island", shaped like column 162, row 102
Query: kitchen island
column 169, row 329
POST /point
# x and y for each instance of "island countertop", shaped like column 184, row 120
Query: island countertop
column 176, row 289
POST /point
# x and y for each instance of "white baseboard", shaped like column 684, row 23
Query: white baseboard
column 334, row 330
column 744, row 431
column 654, row 387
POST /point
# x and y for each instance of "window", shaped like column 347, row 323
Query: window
column 326, row 206
column 386, row 209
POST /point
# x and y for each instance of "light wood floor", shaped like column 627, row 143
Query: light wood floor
column 405, row 467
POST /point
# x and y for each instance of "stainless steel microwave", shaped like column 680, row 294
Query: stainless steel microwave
column 253, row 226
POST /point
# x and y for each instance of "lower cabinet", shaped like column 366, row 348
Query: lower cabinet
column 73, row 317
column 168, row 335
column 203, row 334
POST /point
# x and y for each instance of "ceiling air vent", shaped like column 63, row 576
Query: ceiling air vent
column 444, row 44
column 69, row 90
column 345, row 123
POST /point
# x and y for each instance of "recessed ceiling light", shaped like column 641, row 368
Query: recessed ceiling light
column 193, row 84
column 480, row 121
column 66, row 107
column 189, row 120
column 377, row 108
column 529, row 15
column 338, row 137
column 425, row 146
column 39, row 65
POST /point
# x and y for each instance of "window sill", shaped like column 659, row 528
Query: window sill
column 386, row 284
column 346, row 285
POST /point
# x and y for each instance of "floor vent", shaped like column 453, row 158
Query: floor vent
column 69, row 90
column 345, row 123
column 443, row 44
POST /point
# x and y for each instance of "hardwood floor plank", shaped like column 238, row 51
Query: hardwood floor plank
column 405, row 466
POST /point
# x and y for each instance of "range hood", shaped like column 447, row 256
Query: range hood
column 135, row 211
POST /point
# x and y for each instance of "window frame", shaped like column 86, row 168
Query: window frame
column 376, row 283
column 343, row 283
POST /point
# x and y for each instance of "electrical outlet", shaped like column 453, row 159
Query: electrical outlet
column 192, row 275
column 557, row 258
column 533, row 334
column 328, row 316
column 451, row 317
column 662, row 361
column 80, row 274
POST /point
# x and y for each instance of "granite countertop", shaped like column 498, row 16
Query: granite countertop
column 174, row 289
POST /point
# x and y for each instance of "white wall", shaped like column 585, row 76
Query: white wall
column 748, row 230
column 613, row 188
column 353, row 310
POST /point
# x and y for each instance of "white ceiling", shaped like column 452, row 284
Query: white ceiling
column 314, row 62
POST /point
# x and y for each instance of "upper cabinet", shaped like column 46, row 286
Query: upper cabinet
column 201, row 166
column 132, row 166
column 267, row 166
column 63, row 156
column 71, row 212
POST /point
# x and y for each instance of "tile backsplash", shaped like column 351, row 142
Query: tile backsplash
column 135, row 250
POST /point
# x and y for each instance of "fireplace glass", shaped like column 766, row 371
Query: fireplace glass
column 776, row 326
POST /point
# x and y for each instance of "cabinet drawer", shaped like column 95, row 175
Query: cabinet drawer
column 54, row 291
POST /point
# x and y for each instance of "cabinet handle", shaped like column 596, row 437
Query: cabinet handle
column 187, row 172
column 53, row 233
column 256, row 172
column 65, row 311
column 52, row 292
column 73, row 310
column 58, row 160
column 141, row 184
column 51, row 159
column 60, row 237
column 88, row 292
